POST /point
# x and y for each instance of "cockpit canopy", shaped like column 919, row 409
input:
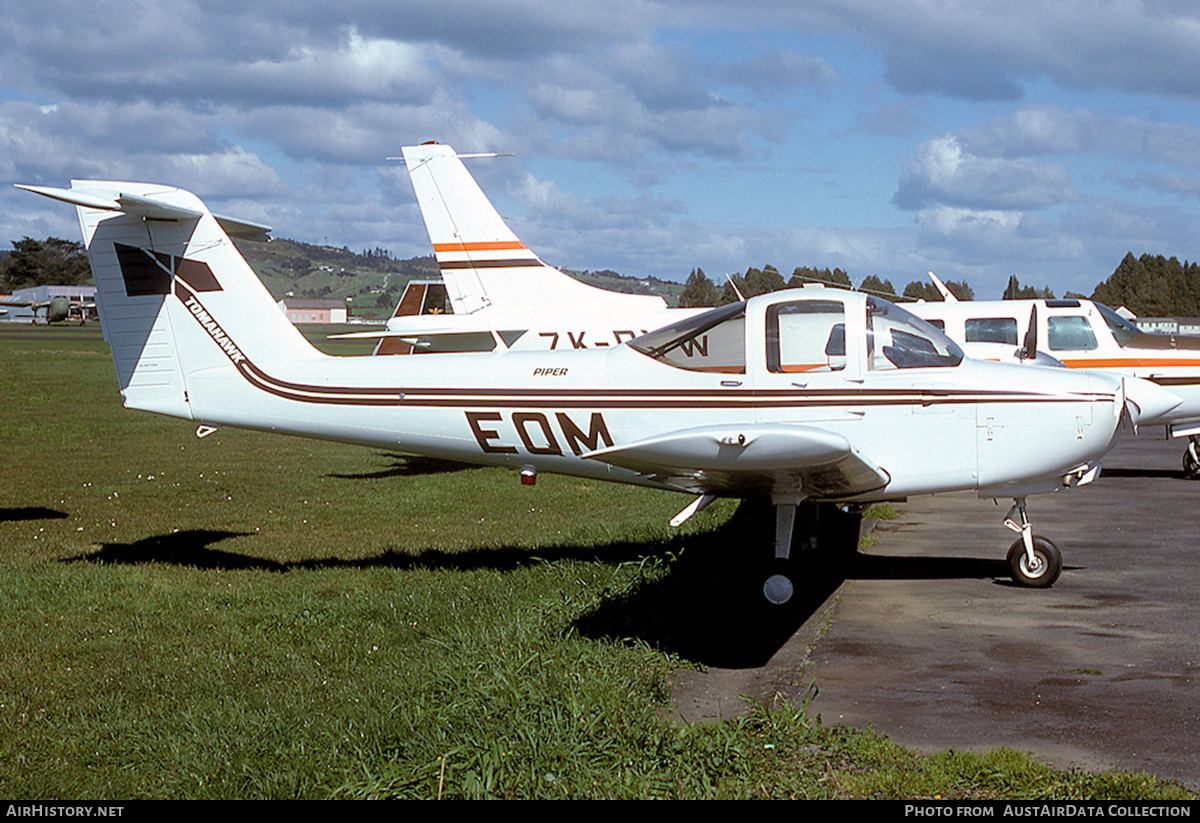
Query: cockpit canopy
column 801, row 332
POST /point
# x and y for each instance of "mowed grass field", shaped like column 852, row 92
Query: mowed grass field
column 252, row 616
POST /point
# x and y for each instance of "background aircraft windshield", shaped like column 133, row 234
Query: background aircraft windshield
column 1121, row 328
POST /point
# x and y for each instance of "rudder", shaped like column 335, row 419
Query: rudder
column 173, row 292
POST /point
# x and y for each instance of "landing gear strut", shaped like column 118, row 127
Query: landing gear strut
column 1034, row 562
column 812, row 540
column 779, row 589
column 823, row 534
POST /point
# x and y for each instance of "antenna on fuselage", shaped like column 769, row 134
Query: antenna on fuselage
column 736, row 290
column 947, row 295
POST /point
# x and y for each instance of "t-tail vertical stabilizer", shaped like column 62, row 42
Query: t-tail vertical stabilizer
column 174, row 294
column 482, row 262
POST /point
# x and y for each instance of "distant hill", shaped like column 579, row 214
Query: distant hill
column 375, row 280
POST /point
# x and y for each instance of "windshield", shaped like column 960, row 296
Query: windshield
column 1121, row 328
column 713, row 341
column 899, row 340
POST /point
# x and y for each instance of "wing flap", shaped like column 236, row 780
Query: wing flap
column 761, row 458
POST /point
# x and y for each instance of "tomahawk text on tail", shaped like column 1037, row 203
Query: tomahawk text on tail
column 808, row 397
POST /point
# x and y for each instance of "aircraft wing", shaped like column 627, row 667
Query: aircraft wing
column 763, row 458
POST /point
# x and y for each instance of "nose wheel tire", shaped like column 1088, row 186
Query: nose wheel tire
column 1042, row 571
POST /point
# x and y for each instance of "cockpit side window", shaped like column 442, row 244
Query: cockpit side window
column 714, row 341
column 1069, row 333
column 991, row 330
column 806, row 336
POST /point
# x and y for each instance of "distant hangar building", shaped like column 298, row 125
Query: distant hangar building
column 314, row 311
column 44, row 294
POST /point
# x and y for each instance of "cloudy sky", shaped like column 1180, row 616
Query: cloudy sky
column 976, row 138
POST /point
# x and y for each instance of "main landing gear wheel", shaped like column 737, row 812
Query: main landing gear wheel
column 1191, row 461
column 1044, row 569
column 778, row 589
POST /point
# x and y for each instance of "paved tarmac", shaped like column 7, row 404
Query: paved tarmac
column 927, row 640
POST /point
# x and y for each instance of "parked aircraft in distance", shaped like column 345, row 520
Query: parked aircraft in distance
column 809, row 397
column 500, row 294
column 57, row 309
column 1083, row 334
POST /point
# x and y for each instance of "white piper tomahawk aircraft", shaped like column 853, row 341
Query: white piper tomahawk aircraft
column 807, row 396
column 1082, row 334
column 501, row 295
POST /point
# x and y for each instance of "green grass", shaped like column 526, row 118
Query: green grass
column 250, row 616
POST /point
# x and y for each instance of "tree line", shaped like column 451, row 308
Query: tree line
column 700, row 291
column 49, row 262
column 1149, row 286
column 1153, row 286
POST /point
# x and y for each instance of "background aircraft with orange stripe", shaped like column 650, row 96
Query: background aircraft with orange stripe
column 497, row 293
column 1082, row 334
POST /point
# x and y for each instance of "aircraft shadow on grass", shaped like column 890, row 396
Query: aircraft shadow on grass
column 408, row 466
column 708, row 607
column 194, row 548
column 190, row 547
column 30, row 513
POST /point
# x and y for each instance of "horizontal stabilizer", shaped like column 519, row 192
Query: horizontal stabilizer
column 74, row 197
column 146, row 207
column 243, row 229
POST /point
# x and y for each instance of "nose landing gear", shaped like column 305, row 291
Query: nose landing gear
column 1034, row 562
